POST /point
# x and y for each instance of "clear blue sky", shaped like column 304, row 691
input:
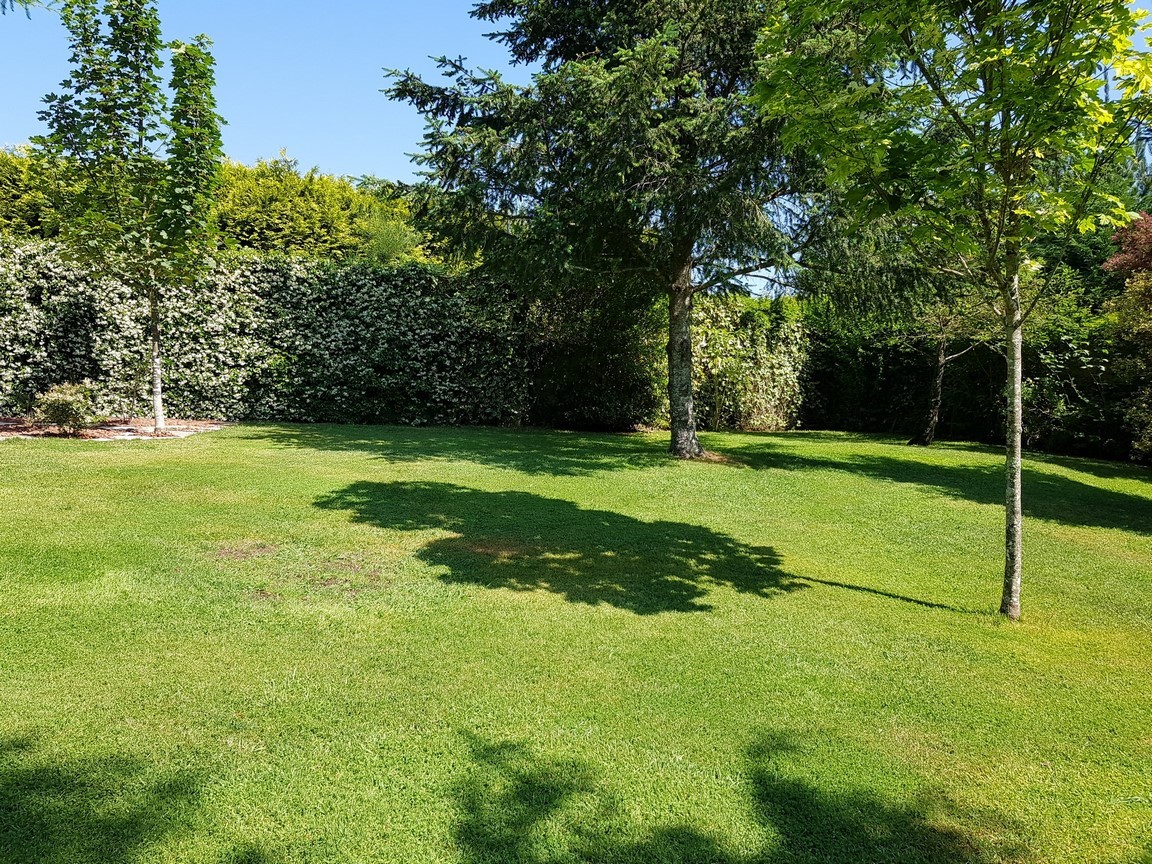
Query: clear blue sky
column 304, row 76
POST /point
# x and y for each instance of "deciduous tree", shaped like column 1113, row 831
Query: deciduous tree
column 981, row 126
column 138, row 176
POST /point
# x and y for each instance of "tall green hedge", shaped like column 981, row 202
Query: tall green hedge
column 750, row 360
column 1076, row 394
column 290, row 339
column 268, row 338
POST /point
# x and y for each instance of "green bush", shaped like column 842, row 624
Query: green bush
column 267, row 337
column 270, row 338
column 69, row 407
column 750, row 359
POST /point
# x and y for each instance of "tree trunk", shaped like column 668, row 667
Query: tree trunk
column 683, row 416
column 1013, row 534
column 159, row 424
column 925, row 438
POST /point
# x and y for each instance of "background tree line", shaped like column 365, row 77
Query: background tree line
column 271, row 207
column 865, row 369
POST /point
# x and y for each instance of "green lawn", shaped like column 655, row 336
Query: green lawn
column 284, row 643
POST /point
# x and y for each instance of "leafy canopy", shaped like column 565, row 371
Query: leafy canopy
column 981, row 125
column 273, row 207
column 132, row 176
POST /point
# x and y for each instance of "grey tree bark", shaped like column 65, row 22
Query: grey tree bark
column 159, row 424
column 1013, row 510
column 683, row 414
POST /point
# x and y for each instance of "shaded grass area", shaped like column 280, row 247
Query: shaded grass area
column 526, row 542
column 511, row 796
column 105, row 808
column 285, row 643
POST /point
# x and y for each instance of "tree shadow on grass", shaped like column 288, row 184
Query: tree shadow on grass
column 103, row 810
column 1047, row 496
column 529, row 451
column 525, row 542
column 889, row 595
column 517, row 808
column 545, row 452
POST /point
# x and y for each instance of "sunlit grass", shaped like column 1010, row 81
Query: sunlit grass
column 375, row 644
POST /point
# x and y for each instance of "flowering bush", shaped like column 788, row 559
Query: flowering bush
column 750, row 357
column 276, row 338
column 267, row 338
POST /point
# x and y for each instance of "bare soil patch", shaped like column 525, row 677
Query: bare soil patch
column 121, row 429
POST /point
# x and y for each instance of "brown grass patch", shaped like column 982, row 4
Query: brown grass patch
column 245, row 550
column 723, row 459
column 356, row 564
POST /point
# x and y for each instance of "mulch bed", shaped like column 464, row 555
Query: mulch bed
column 124, row 429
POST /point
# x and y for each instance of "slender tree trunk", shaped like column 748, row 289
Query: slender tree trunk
column 157, row 361
column 925, row 438
column 683, row 417
column 1014, row 518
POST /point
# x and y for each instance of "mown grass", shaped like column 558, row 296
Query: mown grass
column 281, row 644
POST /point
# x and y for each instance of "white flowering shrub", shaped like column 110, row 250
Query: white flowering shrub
column 271, row 338
column 60, row 325
column 750, row 357
column 266, row 338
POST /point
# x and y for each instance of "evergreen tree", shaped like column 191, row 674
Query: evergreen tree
column 634, row 163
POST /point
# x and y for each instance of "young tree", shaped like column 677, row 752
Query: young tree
column 981, row 126
column 139, row 179
column 634, row 162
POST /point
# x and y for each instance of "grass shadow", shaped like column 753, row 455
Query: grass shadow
column 889, row 595
column 103, row 810
column 529, row 451
column 1048, row 496
column 517, row 808
column 815, row 826
column 525, row 542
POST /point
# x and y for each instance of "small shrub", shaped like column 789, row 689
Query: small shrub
column 69, row 407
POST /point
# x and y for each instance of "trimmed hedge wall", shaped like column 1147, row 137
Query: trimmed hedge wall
column 271, row 338
column 267, row 338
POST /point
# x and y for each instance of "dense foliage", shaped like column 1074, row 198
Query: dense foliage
column 634, row 160
column 266, row 337
column 273, row 207
column 285, row 338
column 25, row 205
column 68, row 407
column 751, row 358
column 879, row 324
